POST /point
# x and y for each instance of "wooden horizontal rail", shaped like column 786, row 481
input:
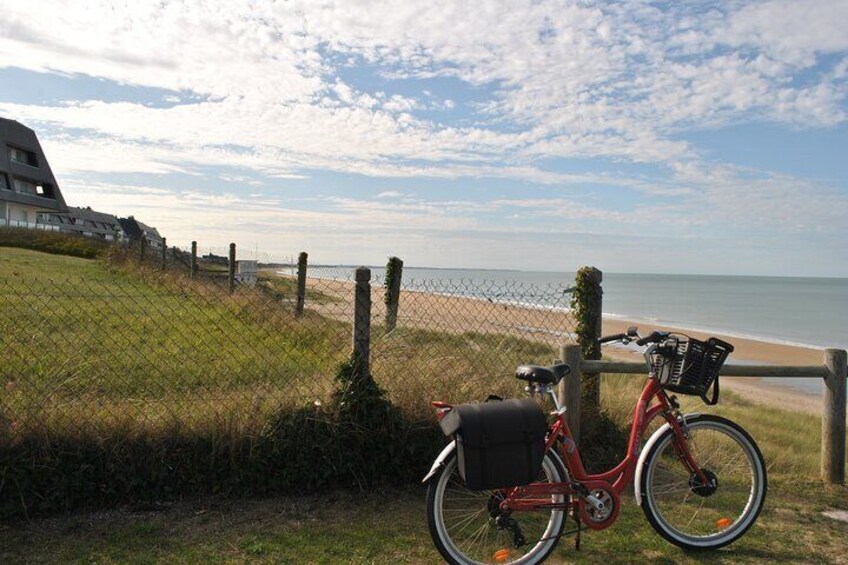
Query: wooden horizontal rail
column 820, row 371
column 833, row 372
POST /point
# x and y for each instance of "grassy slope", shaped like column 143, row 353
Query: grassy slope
column 341, row 528
column 165, row 386
column 76, row 332
column 83, row 332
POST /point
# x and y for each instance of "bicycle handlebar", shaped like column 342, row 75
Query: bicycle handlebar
column 653, row 337
column 616, row 337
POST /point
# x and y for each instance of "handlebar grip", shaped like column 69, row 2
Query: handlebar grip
column 609, row 338
column 653, row 337
column 647, row 339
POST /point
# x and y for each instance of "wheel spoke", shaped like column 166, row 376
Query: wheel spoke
column 465, row 530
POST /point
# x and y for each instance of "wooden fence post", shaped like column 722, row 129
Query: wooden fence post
column 301, row 282
column 164, row 252
column 394, row 276
column 833, row 417
column 362, row 323
column 569, row 387
column 231, row 274
column 588, row 298
column 142, row 243
column 193, row 258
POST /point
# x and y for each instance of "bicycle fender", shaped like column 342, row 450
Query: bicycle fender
column 440, row 460
column 637, row 478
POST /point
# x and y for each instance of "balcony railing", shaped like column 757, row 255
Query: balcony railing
column 27, row 225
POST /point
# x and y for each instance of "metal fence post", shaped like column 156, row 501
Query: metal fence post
column 193, row 258
column 833, row 417
column 302, row 261
column 569, row 387
column 394, row 276
column 231, row 274
column 164, row 253
column 362, row 322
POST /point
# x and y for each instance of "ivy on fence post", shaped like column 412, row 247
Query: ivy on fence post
column 394, row 275
column 586, row 303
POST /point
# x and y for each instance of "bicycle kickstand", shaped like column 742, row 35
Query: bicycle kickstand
column 576, row 515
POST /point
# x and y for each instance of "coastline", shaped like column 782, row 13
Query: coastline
column 457, row 314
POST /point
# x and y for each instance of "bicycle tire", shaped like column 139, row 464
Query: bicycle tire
column 717, row 514
column 488, row 538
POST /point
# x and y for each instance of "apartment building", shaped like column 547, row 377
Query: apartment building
column 27, row 185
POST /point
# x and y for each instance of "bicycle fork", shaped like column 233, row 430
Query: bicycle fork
column 682, row 451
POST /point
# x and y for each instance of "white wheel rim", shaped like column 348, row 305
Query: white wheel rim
column 742, row 522
column 541, row 548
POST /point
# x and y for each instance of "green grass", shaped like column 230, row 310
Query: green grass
column 110, row 371
column 90, row 343
column 790, row 441
column 389, row 526
column 122, row 382
column 86, row 342
column 285, row 288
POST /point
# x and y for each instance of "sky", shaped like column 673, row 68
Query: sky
column 669, row 137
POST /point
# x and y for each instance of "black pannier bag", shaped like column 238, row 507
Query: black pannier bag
column 499, row 444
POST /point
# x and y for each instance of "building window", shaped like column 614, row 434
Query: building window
column 4, row 181
column 25, row 187
column 36, row 189
column 22, row 156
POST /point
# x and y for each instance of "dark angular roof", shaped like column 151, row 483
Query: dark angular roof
column 92, row 215
column 134, row 229
column 16, row 135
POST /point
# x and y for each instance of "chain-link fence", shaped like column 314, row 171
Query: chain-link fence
column 151, row 350
column 112, row 360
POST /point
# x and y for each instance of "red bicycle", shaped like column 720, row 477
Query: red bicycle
column 700, row 479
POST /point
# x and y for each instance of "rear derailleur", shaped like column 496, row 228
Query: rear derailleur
column 505, row 521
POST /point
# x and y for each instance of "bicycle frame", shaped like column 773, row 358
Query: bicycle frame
column 537, row 496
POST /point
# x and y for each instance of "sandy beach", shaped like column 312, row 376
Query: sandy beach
column 554, row 326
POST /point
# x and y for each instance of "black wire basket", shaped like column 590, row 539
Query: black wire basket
column 690, row 366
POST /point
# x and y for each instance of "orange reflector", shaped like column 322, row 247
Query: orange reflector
column 723, row 522
column 501, row 555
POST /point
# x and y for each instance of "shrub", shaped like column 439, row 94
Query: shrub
column 52, row 242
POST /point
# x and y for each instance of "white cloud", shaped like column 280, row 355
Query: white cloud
column 262, row 88
column 582, row 80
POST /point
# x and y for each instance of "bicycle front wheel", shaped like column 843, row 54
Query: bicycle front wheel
column 694, row 515
column 468, row 528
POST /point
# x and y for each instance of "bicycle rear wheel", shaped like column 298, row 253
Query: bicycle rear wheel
column 465, row 528
column 693, row 515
